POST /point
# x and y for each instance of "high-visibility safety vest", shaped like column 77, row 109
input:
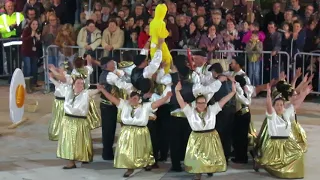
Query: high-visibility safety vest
column 6, row 21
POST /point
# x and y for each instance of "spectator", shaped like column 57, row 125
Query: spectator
column 99, row 23
column 201, row 28
column 89, row 38
column 243, row 29
column 216, row 19
column 138, row 12
column 112, row 38
column 192, row 38
column 254, row 48
column 286, row 35
column 143, row 36
column 173, row 38
column 229, row 47
column 126, row 11
column 31, row 44
column 231, row 32
column 97, row 6
column 133, row 42
column 65, row 38
column 309, row 10
column 273, row 44
column 71, row 8
column 105, row 11
column 253, row 27
column 30, row 16
column 218, row 4
column 49, row 34
column 288, row 15
column 211, row 42
column 275, row 16
column 61, row 10
column 139, row 24
column 172, row 9
column 297, row 9
column 129, row 26
column 298, row 41
column 19, row 5
column 33, row 4
column 182, row 25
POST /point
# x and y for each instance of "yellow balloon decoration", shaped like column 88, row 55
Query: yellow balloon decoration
column 20, row 96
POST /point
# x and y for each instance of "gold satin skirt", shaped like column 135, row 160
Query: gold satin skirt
column 299, row 135
column 134, row 148
column 283, row 158
column 119, row 116
column 75, row 140
column 55, row 122
column 261, row 139
column 204, row 153
column 94, row 117
column 251, row 136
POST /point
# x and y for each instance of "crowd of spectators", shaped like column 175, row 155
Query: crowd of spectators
column 196, row 24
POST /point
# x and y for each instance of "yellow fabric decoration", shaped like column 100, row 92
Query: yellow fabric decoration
column 158, row 30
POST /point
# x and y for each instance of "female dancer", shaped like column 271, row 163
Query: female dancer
column 204, row 152
column 134, row 148
column 85, row 71
column 75, row 146
column 57, row 107
column 282, row 156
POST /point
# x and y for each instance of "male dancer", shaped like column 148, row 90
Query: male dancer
column 112, row 83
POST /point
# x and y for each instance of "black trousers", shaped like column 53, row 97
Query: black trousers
column 13, row 59
column 180, row 132
column 152, row 126
column 240, row 135
column 163, row 127
column 109, row 124
column 224, row 126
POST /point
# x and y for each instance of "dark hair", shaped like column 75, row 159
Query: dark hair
column 297, row 22
column 216, row 67
column 29, row 25
column 272, row 23
column 255, row 24
column 199, row 97
column 278, row 99
column 89, row 21
column 77, row 78
column 113, row 20
column 255, row 32
column 78, row 62
column 134, row 93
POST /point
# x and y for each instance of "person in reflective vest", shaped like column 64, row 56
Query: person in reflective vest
column 10, row 27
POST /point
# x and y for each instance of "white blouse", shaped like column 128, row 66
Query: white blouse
column 89, row 70
column 280, row 125
column 60, row 88
column 114, row 80
column 209, row 119
column 136, row 117
column 77, row 105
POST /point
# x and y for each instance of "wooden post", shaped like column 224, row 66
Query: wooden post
column 250, row 12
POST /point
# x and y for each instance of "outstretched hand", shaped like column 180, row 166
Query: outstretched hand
column 268, row 89
column 100, row 87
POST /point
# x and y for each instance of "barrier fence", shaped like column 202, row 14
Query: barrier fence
column 309, row 62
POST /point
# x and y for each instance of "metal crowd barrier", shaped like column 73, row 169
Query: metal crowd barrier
column 309, row 63
column 283, row 58
column 10, row 56
column 53, row 55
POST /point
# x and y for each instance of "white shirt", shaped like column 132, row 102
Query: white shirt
column 114, row 80
column 60, row 88
column 140, row 117
column 89, row 70
column 209, row 120
column 280, row 125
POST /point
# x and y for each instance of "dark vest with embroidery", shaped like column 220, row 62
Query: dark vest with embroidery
column 139, row 82
column 225, row 89
column 110, row 88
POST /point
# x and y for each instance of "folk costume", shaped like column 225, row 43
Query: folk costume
column 113, row 84
column 204, row 153
column 57, row 109
column 282, row 156
column 93, row 117
column 76, row 146
column 134, row 147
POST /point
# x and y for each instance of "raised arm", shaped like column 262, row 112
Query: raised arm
column 269, row 100
column 111, row 98
column 113, row 79
column 61, row 77
column 155, row 62
column 227, row 98
column 163, row 78
column 51, row 78
column 161, row 101
column 299, row 100
column 180, row 99
column 294, row 80
column 241, row 97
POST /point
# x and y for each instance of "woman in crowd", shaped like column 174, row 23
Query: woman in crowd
column 211, row 42
column 134, row 148
column 30, row 51
column 143, row 36
column 204, row 153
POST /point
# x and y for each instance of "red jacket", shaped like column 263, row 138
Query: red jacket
column 28, row 44
column 142, row 39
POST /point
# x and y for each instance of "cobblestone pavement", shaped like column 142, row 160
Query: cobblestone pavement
column 27, row 154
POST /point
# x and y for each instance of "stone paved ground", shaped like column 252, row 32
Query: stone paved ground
column 26, row 153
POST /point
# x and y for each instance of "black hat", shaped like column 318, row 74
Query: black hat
column 105, row 60
column 240, row 60
column 241, row 80
column 139, row 59
column 144, row 85
column 200, row 53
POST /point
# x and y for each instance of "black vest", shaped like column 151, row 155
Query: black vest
column 186, row 91
column 224, row 90
column 110, row 88
column 139, row 82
